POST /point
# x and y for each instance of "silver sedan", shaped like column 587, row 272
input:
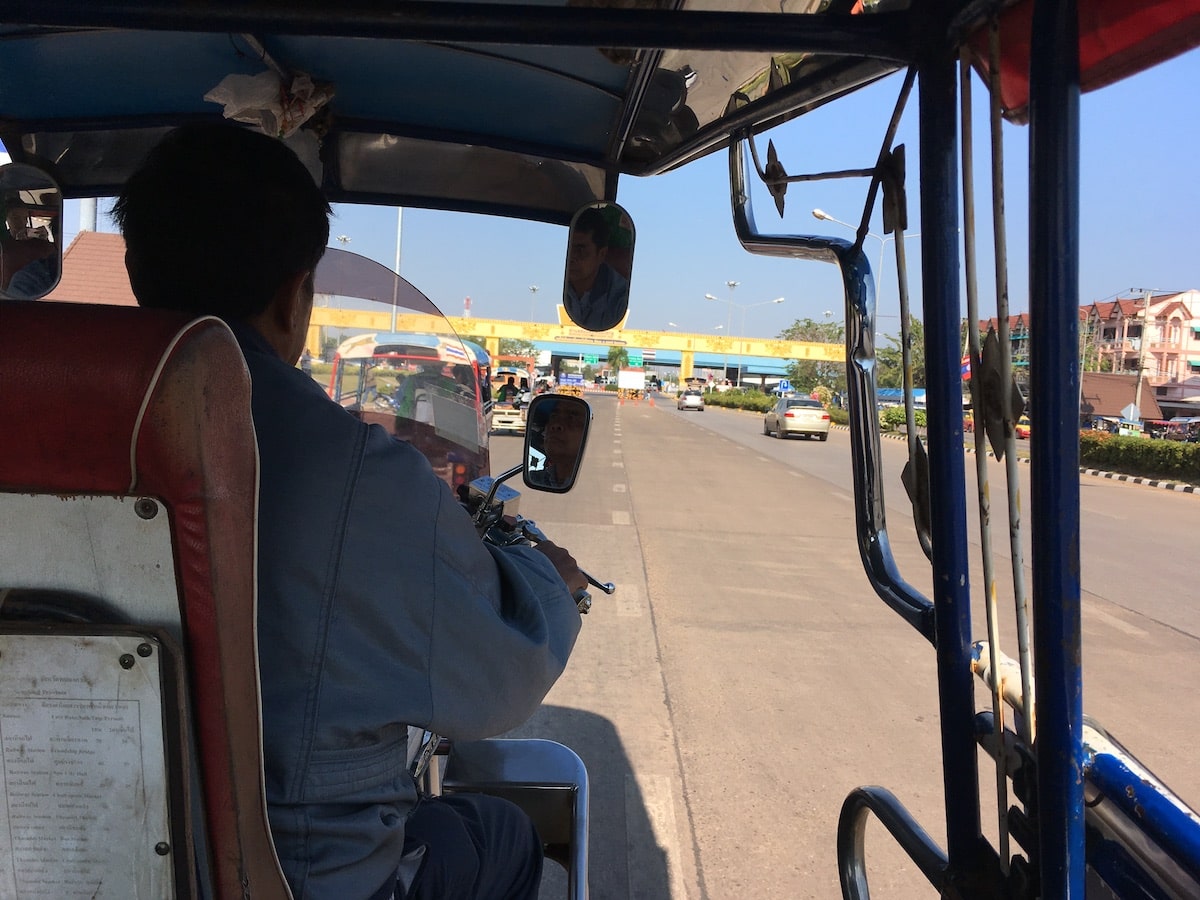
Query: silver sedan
column 797, row 415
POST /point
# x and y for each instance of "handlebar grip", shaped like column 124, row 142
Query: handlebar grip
column 583, row 601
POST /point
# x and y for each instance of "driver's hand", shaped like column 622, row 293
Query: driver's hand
column 565, row 563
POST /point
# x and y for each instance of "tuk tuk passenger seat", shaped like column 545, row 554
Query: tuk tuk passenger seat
column 128, row 500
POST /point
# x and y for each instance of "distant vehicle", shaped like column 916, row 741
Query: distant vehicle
column 1023, row 427
column 631, row 380
column 690, row 399
column 797, row 415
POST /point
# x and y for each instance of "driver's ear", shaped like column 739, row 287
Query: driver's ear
column 292, row 304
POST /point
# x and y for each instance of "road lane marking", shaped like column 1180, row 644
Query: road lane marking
column 655, row 796
column 620, row 517
column 617, row 464
column 1115, row 622
column 629, row 601
column 619, row 488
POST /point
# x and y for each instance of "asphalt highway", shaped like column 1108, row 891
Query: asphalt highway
column 744, row 678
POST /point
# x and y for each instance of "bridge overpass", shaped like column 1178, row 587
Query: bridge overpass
column 490, row 331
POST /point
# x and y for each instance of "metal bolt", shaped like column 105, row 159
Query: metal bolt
column 126, row 660
column 162, row 848
column 145, row 508
column 144, row 650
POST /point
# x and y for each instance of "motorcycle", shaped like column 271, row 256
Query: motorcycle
column 546, row 779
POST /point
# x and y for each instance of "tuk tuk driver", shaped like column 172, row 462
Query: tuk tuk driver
column 379, row 607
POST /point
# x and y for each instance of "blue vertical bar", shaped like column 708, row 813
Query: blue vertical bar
column 951, row 587
column 1054, row 371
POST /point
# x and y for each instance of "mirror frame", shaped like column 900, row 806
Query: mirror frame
column 541, row 408
column 24, row 254
column 611, row 223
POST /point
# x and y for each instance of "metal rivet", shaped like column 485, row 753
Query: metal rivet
column 126, row 660
column 146, row 508
column 144, row 650
column 162, row 848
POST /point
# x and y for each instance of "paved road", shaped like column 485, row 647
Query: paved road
column 744, row 678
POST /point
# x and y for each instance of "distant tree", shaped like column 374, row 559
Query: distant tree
column 518, row 347
column 807, row 374
column 618, row 358
column 890, row 361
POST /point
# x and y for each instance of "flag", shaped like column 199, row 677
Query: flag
column 966, row 367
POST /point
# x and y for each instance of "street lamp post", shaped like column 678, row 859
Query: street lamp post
column 883, row 240
column 533, row 289
column 742, row 335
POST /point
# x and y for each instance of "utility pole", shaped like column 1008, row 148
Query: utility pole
column 1137, row 393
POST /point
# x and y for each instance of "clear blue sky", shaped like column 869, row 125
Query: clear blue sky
column 1140, row 209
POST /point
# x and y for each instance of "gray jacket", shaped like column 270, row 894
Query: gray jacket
column 379, row 608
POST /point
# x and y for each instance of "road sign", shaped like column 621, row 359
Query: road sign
column 784, row 385
column 635, row 360
column 590, row 359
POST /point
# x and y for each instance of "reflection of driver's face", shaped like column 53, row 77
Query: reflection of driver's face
column 564, row 431
column 583, row 261
column 16, row 220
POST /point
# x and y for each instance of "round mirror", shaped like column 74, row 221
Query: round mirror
column 599, row 263
column 555, row 434
column 30, row 232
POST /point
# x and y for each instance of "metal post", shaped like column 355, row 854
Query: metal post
column 1054, row 445
column 396, row 281
column 943, row 355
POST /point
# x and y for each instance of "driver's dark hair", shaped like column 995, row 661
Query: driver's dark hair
column 217, row 218
column 591, row 221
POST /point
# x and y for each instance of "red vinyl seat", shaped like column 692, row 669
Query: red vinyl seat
column 109, row 417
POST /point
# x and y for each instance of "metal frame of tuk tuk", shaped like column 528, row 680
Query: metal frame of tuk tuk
column 968, row 867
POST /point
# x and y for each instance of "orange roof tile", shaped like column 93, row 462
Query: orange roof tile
column 94, row 271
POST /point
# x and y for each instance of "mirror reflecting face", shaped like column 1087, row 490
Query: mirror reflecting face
column 30, row 232
column 599, row 263
column 555, row 434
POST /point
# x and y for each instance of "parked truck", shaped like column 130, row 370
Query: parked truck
column 631, row 383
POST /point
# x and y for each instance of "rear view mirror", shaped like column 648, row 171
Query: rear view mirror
column 599, row 263
column 30, row 232
column 556, row 431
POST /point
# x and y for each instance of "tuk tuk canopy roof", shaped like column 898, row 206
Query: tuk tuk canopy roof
column 519, row 110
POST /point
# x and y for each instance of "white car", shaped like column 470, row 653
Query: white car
column 690, row 400
column 797, row 415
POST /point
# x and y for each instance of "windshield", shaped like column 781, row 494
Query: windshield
column 414, row 377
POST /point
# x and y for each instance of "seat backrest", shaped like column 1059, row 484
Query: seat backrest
column 128, row 485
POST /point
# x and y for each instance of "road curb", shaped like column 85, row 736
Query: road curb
column 1176, row 486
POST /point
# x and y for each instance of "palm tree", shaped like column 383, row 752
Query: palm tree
column 618, row 358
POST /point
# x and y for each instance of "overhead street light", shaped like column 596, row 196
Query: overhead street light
column 883, row 240
column 743, row 307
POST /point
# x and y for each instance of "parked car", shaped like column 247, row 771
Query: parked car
column 690, row 400
column 797, row 415
column 1022, row 427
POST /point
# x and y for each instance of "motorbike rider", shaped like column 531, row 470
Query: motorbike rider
column 379, row 607
column 508, row 391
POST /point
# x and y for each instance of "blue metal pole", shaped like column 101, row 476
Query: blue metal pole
column 1054, row 450
column 951, row 587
